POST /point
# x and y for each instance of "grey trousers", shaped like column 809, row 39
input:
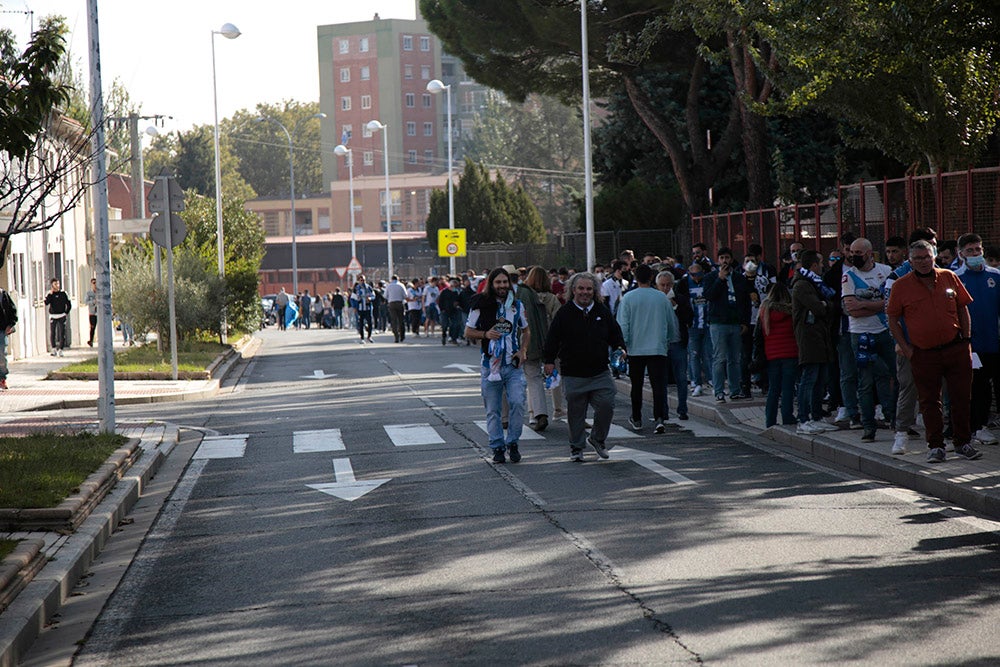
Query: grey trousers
column 597, row 391
column 906, row 402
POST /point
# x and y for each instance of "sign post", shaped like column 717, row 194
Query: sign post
column 168, row 230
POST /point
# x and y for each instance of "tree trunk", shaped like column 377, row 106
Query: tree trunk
column 750, row 90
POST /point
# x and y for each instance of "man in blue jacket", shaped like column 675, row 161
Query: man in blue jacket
column 648, row 325
column 728, row 296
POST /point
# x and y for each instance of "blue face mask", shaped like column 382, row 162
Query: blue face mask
column 975, row 262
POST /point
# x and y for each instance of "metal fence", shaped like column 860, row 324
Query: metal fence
column 951, row 203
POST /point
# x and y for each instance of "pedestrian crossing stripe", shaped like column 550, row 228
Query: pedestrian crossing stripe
column 526, row 433
column 620, row 432
column 413, row 435
column 323, row 440
column 222, row 447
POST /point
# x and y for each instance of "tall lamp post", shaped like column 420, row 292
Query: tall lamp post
column 588, row 167
column 291, row 187
column 375, row 126
column 344, row 151
column 436, row 86
column 229, row 31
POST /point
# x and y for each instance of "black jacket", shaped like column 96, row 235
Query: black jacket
column 8, row 311
column 684, row 311
column 582, row 342
column 58, row 303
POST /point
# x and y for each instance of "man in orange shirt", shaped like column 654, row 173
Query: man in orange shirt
column 932, row 305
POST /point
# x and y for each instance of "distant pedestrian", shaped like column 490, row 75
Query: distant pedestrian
column 728, row 295
column 58, row 306
column 90, row 298
column 395, row 295
column 781, row 353
column 337, row 302
column 812, row 307
column 364, row 296
column 677, row 357
column 305, row 309
column 8, row 318
column 281, row 304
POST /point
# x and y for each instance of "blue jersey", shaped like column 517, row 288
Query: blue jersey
column 984, row 311
column 698, row 303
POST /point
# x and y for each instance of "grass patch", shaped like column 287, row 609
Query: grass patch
column 41, row 470
column 6, row 546
column 191, row 356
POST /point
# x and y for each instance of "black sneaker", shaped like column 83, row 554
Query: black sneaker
column 738, row 397
column 720, row 399
column 498, row 456
column 576, row 455
column 541, row 422
column 635, row 423
column 515, row 455
column 683, row 417
column 856, row 423
column 869, row 435
column 660, row 427
column 968, row 452
column 936, row 455
column 598, row 447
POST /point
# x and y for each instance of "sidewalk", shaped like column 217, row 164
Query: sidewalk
column 974, row 485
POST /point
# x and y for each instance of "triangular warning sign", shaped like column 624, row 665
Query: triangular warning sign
column 354, row 265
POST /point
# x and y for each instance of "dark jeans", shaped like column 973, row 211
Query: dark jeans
column 397, row 318
column 781, row 375
column 414, row 314
column 93, row 328
column 879, row 373
column 657, row 367
column 451, row 325
column 811, row 385
column 364, row 320
column 281, row 317
column 677, row 362
column 57, row 333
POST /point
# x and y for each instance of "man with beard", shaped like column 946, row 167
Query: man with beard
column 498, row 321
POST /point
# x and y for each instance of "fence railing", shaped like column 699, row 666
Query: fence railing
column 951, row 203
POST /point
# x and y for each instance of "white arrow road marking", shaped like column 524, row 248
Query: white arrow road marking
column 222, row 447
column 465, row 368
column 346, row 487
column 648, row 461
column 617, row 431
column 319, row 375
column 526, row 433
column 326, row 440
column 410, row 435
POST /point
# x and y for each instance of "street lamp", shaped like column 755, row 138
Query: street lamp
column 291, row 187
column 588, row 167
column 375, row 126
column 229, row 31
column 436, row 86
column 344, row 151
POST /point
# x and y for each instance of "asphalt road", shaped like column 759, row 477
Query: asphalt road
column 725, row 553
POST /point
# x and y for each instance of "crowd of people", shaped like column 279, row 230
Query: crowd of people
column 835, row 341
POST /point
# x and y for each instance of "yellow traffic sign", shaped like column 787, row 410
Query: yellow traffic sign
column 451, row 243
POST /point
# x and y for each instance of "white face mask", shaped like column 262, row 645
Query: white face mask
column 670, row 294
column 750, row 267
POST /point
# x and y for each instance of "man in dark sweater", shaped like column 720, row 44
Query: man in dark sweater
column 581, row 335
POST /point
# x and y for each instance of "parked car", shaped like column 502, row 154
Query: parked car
column 269, row 313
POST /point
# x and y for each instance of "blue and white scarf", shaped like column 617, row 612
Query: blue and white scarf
column 823, row 288
column 499, row 351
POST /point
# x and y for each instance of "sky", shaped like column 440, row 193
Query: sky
column 162, row 51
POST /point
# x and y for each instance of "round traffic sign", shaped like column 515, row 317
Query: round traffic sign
column 452, row 248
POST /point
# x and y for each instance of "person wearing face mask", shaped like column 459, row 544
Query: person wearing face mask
column 728, row 295
column 699, row 336
column 760, row 281
column 934, row 304
column 677, row 357
column 871, row 342
column 983, row 284
column 790, row 263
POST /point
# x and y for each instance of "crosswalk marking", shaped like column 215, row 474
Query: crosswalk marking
column 411, row 435
column 617, row 431
column 222, row 447
column 526, row 433
column 324, row 440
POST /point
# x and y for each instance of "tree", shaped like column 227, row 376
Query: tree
column 262, row 148
column 490, row 211
column 190, row 155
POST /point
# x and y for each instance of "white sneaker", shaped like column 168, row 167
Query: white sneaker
column 696, row 391
column 899, row 443
column 809, row 428
column 842, row 416
column 985, row 437
column 825, row 426
column 879, row 415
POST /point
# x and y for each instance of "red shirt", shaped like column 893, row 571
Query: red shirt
column 931, row 315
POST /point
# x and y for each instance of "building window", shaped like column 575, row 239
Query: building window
column 271, row 227
column 366, row 101
column 425, row 72
column 366, row 72
column 345, row 74
column 363, row 45
column 428, row 157
column 345, row 103
column 411, row 129
column 407, row 42
column 365, row 132
column 423, row 202
column 407, row 71
column 447, row 70
column 369, row 158
column 425, row 43
column 346, row 132
column 426, row 100
column 411, row 157
column 428, row 129
column 410, row 100
column 345, row 46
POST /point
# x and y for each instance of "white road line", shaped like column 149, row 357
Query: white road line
column 324, row 440
column 412, row 435
column 222, row 447
column 526, row 433
column 617, row 431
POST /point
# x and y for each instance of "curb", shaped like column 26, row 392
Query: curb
column 27, row 615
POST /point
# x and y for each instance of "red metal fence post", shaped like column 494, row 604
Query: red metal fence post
column 885, row 209
column 940, row 226
column 970, row 215
column 861, row 204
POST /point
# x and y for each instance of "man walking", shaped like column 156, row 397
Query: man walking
column 58, row 305
column 281, row 304
column 365, row 296
column 395, row 294
column 934, row 303
column 451, row 316
column 649, row 326
column 90, row 298
column 580, row 335
column 305, row 309
column 498, row 321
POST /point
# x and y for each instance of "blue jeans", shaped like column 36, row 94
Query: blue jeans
column 811, row 392
column 338, row 318
column 848, row 363
column 880, row 373
column 513, row 383
column 451, row 325
column 677, row 358
column 699, row 355
column 728, row 344
column 781, row 375
column 3, row 354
